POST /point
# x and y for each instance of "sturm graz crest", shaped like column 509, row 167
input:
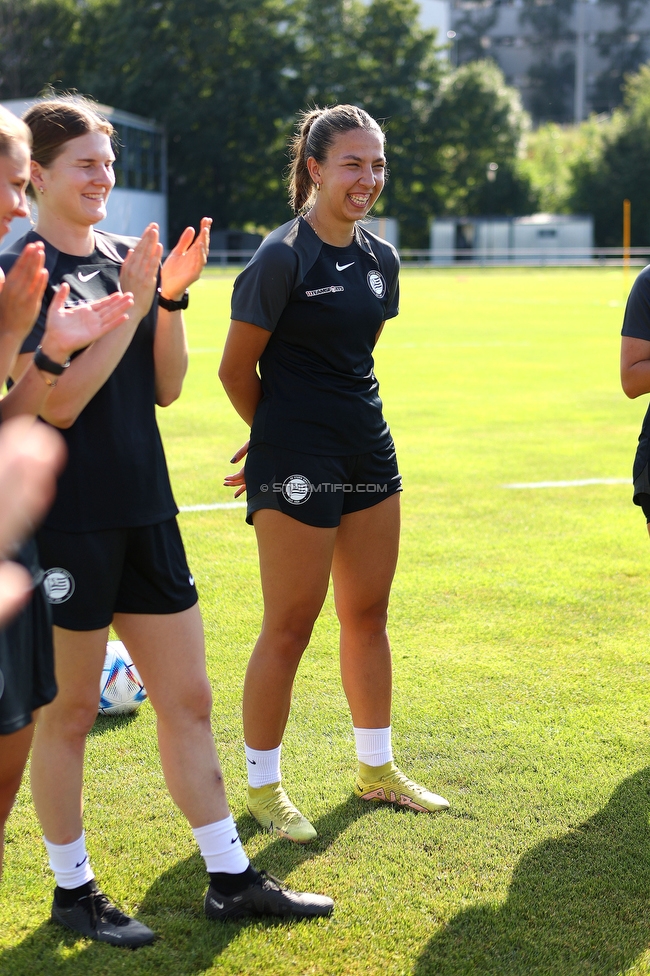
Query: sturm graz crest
column 376, row 284
column 297, row 489
column 58, row 584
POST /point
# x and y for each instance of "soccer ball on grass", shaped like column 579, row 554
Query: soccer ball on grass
column 121, row 691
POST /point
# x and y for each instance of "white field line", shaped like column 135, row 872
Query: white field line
column 570, row 484
column 210, row 508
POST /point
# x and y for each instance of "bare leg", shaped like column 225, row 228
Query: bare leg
column 295, row 562
column 60, row 740
column 168, row 651
column 14, row 750
column 365, row 557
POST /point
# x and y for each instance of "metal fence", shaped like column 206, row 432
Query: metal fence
column 572, row 257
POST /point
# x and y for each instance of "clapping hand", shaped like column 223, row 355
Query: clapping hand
column 237, row 480
column 22, row 291
column 70, row 329
column 139, row 273
column 184, row 264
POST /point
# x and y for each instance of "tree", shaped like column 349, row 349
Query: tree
column 219, row 74
column 34, row 39
column 620, row 170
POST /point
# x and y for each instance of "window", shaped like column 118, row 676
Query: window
column 139, row 163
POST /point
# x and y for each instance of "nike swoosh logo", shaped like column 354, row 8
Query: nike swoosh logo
column 82, row 862
column 83, row 277
column 252, row 762
column 339, row 267
column 219, row 904
column 234, row 840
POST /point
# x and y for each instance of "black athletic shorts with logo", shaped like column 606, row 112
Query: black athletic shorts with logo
column 89, row 576
column 315, row 489
column 26, row 655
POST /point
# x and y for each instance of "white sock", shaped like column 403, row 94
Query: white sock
column 220, row 847
column 374, row 747
column 263, row 766
column 70, row 862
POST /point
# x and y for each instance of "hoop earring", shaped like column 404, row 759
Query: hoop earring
column 318, row 188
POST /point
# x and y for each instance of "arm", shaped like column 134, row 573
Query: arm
column 66, row 331
column 238, row 370
column 635, row 366
column 182, row 267
column 90, row 370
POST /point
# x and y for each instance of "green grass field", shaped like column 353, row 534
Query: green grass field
column 520, row 634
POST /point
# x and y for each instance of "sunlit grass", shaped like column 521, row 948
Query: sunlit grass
column 519, row 629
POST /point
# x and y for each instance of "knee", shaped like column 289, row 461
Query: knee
column 190, row 704
column 370, row 621
column 289, row 638
column 70, row 720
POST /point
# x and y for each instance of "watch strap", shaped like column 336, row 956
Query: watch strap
column 173, row 306
column 43, row 362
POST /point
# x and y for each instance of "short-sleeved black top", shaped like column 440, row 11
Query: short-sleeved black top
column 636, row 324
column 324, row 306
column 116, row 474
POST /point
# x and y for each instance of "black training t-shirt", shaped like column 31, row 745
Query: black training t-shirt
column 116, row 474
column 324, row 306
column 636, row 325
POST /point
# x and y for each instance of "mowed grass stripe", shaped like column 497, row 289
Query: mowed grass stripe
column 519, row 630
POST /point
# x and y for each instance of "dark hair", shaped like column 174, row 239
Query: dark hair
column 55, row 121
column 12, row 130
column 316, row 131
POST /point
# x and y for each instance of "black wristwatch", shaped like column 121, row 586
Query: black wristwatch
column 171, row 305
column 41, row 361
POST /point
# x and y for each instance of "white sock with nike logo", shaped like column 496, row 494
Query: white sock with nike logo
column 70, row 862
column 220, row 847
column 263, row 766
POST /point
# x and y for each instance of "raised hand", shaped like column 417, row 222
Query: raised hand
column 139, row 273
column 237, row 480
column 184, row 264
column 22, row 292
column 70, row 329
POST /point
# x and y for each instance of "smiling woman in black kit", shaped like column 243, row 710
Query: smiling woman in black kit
column 110, row 546
column 321, row 473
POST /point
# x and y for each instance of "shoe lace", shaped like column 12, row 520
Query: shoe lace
column 398, row 777
column 282, row 808
column 266, row 880
column 100, row 909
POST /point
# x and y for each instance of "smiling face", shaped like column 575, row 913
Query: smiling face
column 351, row 177
column 75, row 187
column 14, row 177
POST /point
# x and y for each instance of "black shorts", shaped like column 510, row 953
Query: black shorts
column 89, row 576
column 26, row 657
column 318, row 490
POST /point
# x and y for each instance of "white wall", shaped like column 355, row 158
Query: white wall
column 129, row 212
column 442, row 239
column 385, row 227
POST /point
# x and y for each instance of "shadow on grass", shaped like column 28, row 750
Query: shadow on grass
column 577, row 904
column 108, row 723
column 173, row 907
column 282, row 856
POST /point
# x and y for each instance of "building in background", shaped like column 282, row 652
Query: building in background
column 140, row 193
column 567, row 60
column 556, row 238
